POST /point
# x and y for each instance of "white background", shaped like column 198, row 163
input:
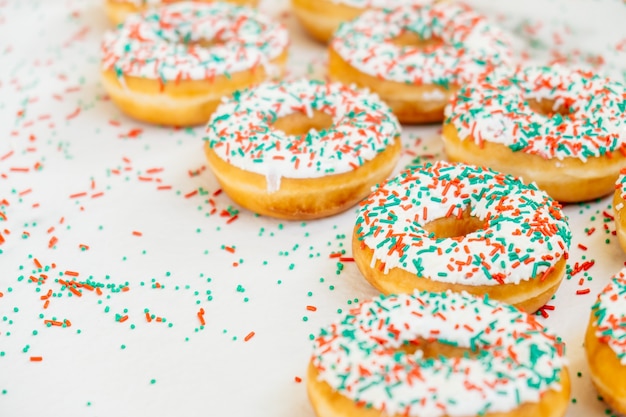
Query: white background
column 60, row 137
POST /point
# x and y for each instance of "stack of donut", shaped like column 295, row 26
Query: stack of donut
column 461, row 250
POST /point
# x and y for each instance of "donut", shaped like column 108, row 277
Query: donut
column 605, row 343
column 437, row 355
column 173, row 65
column 416, row 57
column 564, row 129
column 619, row 208
column 118, row 10
column 454, row 226
column 321, row 18
column 302, row 149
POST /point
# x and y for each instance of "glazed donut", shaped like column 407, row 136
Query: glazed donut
column 303, row 149
column 436, row 355
column 454, row 226
column 321, row 18
column 605, row 343
column 563, row 129
column 173, row 65
column 118, row 10
column 416, row 57
column 619, row 208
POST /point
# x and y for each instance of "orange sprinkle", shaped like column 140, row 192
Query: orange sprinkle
column 229, row 249
column 297, row 379
column 191, row 193
column 71, row 273
column 46, row 304
column 311, row 308
column 123, row 318
column 36, row 358
column 148, row 317
column 78, row 195
column 53, row 241
column 98, row 291
column 37, row 263
column 124, row 289
column 248, row 336
column 75, row 291
column 201, row 317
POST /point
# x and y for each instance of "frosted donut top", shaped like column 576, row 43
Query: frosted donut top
column 526, row 232
column 514, row 359
column 470, row 44
column 166, row 43
column 240, row 130
column 497, row 110
column 610, row 312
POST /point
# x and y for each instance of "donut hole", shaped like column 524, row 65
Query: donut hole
column 450, row 227
column 550, row 108
column 299, row 124
column 433, row 349
column 409, row 39
column 202, row 42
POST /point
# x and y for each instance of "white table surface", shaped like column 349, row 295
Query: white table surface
column 134, row 209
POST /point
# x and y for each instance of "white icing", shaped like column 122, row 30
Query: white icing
column 159, row 44
column 526, row 233
column 516, row 360
column 501, row 113
column 469, row 43
column 240, row 130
